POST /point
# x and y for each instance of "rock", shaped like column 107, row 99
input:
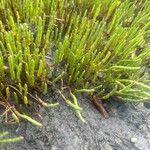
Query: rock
column 134, row 140
column 62, row 130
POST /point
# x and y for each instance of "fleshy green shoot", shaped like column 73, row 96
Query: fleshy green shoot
column 4, row 140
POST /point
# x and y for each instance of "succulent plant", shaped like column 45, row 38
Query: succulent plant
column 99, row 47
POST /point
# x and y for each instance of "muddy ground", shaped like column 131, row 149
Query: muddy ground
column 128, row 128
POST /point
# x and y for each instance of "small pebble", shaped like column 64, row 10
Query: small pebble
column 134, row 140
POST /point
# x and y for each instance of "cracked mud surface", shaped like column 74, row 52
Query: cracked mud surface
column 128, row 128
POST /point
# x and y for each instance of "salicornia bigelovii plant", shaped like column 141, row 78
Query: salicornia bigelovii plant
column 94, row 46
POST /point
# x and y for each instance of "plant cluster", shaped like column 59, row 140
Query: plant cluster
column 99, row 47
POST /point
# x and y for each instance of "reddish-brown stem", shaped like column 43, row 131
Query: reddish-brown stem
column 99, row 105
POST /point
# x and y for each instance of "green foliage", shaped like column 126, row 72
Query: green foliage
column 102, row 46
column 101, row 51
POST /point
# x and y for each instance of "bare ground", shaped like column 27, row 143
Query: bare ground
column 128, row 128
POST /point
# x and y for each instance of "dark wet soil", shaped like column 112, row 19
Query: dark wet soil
column 128, row 128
